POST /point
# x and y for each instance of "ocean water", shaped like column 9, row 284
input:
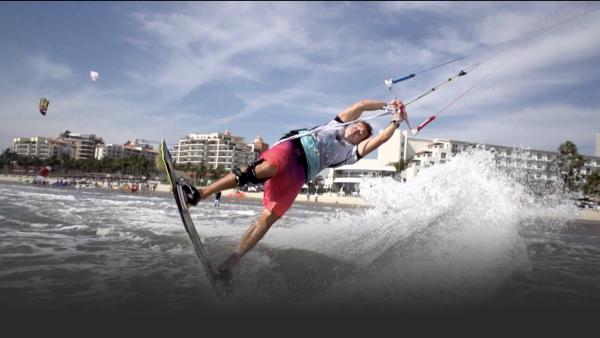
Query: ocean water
column 464, row 235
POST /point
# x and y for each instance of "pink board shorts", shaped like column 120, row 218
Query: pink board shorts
column 281, row 190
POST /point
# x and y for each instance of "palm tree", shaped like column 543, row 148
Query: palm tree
column 569, row 164
column 593, row 183
column 219, row 171
column 400, row 166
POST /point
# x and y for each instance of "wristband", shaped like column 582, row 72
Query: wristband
column 395, row 122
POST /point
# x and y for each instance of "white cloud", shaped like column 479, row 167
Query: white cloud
column 44, row 69
column 297, row 64
column 542, row 127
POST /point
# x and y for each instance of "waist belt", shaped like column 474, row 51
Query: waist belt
column 313, row 162
column 301, row 156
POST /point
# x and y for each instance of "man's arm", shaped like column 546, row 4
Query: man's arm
column 354, row 111
column 372, row 143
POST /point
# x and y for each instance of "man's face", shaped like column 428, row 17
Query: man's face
column 356, row 133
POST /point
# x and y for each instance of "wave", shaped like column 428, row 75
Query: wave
column 451, row 233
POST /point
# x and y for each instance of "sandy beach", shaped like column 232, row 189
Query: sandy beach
column 586, row 216
column 230, row 194
column 589, row 216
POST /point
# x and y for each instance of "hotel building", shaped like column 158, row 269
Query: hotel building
column 217, row 148
column 422, row 153
column 41, row 147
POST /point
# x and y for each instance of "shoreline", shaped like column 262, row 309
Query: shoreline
column 328, row 199
column 586, row 216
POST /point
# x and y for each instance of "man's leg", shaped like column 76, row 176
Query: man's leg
column 263, row 170
column 254, row 234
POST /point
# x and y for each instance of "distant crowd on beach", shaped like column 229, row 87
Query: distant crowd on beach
column 79, row 182
column 123, row 184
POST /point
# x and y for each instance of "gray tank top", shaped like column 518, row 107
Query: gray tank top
column 332, row 147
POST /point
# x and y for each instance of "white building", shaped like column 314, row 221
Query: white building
column 149, row 153
column 139, row 147
column 214, row 149
column 327, row 176
column 258, row 145
column 422, row 153
column 41, row 147
column 590, row 165
column 538, row 164
column 129, row 149
column 399, row 147
column 108, row 151
column 84, row 144
column 430, row 152
column 347, row 178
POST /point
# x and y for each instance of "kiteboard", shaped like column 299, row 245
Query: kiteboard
column 213, row 278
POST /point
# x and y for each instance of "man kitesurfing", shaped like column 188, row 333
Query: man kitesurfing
column 298, row 157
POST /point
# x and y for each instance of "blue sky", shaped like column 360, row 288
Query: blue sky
column 171, row 69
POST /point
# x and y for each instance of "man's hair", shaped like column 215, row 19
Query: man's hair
column 369, row 128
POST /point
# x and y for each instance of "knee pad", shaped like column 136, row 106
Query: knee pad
column 248, row 175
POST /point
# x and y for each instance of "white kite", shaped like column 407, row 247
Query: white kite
column 93, row 75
